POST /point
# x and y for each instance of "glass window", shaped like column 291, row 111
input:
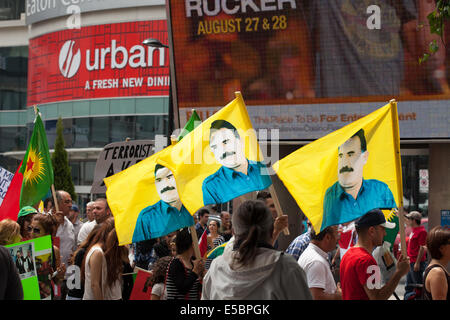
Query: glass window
column 75, row 166
column 88, row 176
column 145, row 127
column 415, row 183
column 11, row 9
column 13, row 138
column 122, row 127
column 13, row 77
column 81, row 128
column 99, row 132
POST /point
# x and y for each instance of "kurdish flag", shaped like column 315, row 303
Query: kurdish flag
column 144, row 202
column 36, row 167
column 34, row 176
column 219, row 160
column 343, row 175
column 217, row 251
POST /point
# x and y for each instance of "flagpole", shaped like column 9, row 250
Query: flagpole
column 193, row 232
column 272, row 191
column 195, row 242
column 53, row 186
column 398, row 167
column 276, row 202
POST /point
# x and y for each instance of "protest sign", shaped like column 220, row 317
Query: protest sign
column 141, row 289
column 118, row 156
column 33, row 261
column 5, row 180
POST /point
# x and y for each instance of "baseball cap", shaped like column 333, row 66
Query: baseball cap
column 374, row 218
column 414, row 215
column 26, row 211
column 75, row 208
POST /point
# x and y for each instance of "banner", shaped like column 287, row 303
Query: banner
column 5, row 180
column 342, row 176
column 150, row 207
column 102, row 61
column 219, row 160
column 33, row 261
column 36, row 167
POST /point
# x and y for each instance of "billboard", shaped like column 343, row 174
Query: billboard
column 98, row 62
column 310, row 67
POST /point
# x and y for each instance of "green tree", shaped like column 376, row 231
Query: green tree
column 437, row 20
column 62, row 170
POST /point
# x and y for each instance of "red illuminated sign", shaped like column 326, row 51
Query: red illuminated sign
column 98, row 62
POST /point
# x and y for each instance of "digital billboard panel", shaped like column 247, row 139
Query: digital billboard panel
column 310, row 67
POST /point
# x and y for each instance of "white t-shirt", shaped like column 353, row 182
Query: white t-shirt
column 158, row 290
column 109, row 293
column 66, row 236
column 318, row 273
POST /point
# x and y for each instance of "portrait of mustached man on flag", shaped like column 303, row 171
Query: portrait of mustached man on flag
column 144, row 198
column 343, row 175
column 219, row 160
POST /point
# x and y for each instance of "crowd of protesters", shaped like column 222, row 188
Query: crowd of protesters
column 250, row 267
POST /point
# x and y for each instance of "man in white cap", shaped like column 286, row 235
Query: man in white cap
column 359, row 272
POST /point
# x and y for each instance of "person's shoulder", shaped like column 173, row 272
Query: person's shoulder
column 289, row 261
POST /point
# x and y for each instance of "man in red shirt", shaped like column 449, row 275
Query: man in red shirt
column 416, row 251
column 359, row 273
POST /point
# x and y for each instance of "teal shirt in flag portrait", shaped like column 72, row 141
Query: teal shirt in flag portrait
column 340, row 207
column 159, row 220
column 226, row 184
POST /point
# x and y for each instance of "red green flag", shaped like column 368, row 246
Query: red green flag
column 36, row 167
column 10, row 205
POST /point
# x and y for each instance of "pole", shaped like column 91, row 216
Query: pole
column 195, row 242
column 276, row 202
column 173, row 141
column 398, row 166
column 54, row 198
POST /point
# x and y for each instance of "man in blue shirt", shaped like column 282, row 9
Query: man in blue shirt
column 165, row 216
column 238, row 175
column 352, row 196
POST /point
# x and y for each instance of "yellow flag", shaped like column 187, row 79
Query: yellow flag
column 144, row 202
column 219, row 160
column 343, row 175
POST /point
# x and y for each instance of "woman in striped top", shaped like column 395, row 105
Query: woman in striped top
column 184, row 274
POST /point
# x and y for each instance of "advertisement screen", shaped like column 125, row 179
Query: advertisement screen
column 98, row 62
column 310, row 67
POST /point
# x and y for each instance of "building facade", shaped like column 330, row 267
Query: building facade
column 84, row 61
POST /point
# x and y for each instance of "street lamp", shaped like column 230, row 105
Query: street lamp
column 155, row 43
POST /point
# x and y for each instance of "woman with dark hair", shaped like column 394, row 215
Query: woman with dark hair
column 436, row 278
column 116, row 258
column 158, row 277
column 183, row 273
column 214, row 239
column 253, row 269
column 94, row 268
column 77, row 259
